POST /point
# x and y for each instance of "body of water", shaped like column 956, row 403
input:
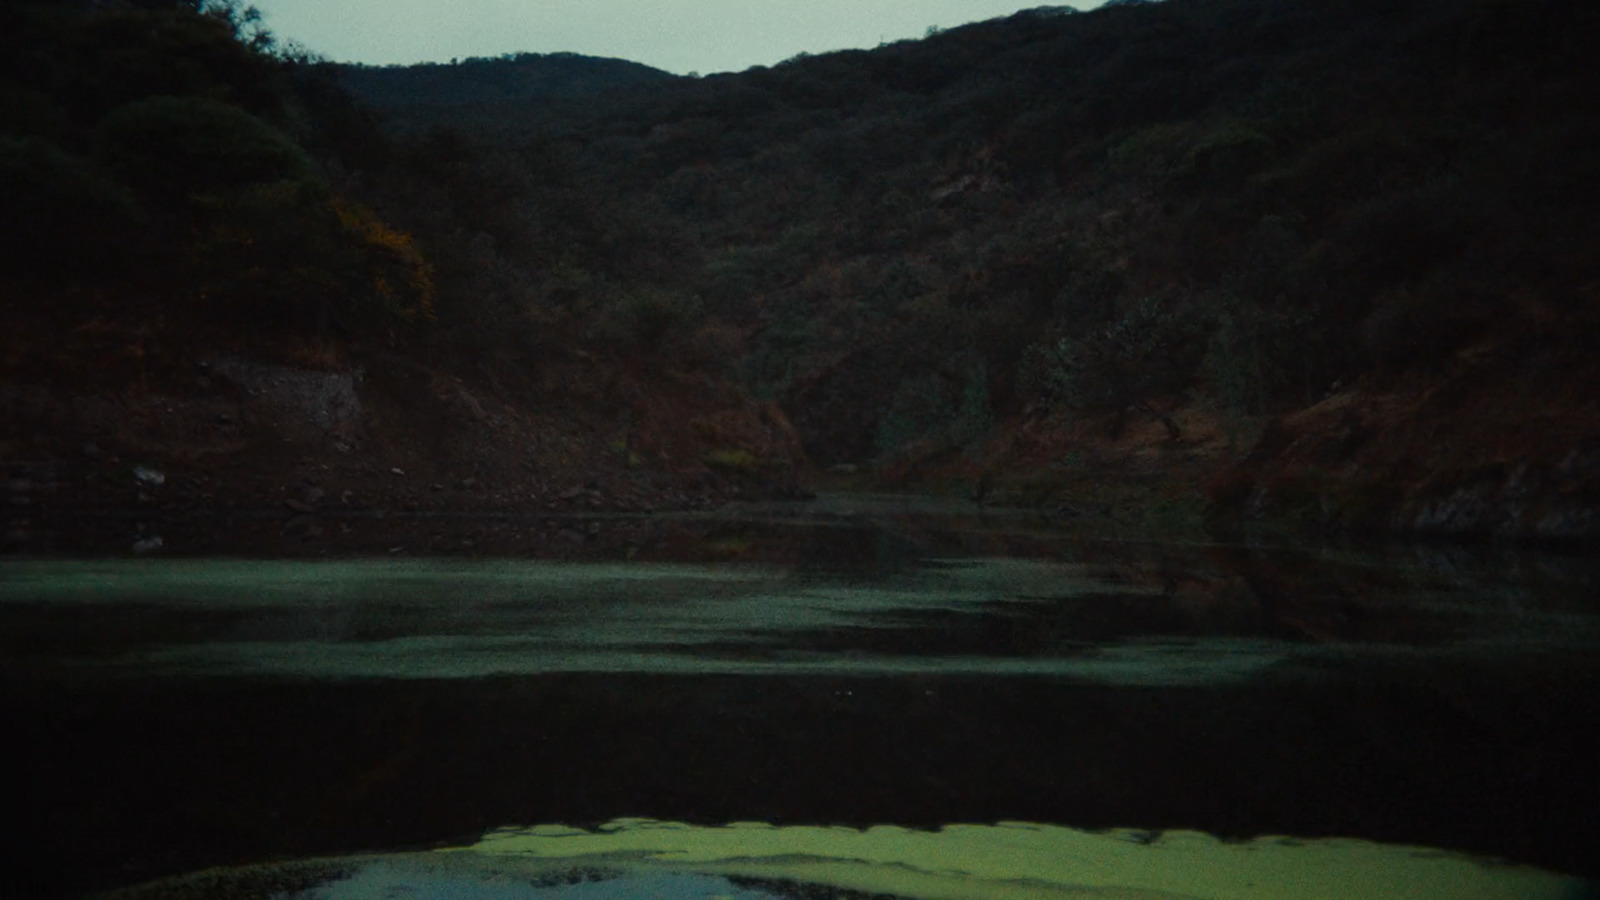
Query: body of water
column 880, row 706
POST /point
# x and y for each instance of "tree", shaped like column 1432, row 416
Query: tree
column 175, row 148
column 1150, row 351
column 60, row 214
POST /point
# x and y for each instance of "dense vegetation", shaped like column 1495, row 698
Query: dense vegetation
column 160, row 161
column 1112, row 214
column 1122, row 211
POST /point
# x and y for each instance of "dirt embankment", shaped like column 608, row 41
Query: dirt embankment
column 1500, row 441
column 352, row 455
column 105, row 450
column 1503, row 442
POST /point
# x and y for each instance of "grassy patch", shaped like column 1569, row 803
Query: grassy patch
column 733, row 461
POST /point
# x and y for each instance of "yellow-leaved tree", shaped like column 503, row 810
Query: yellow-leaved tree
column 399, row 278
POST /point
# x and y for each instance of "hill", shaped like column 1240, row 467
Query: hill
column 1219, row 264
column 480, row 94
column 1054, row 250
column 229, row 299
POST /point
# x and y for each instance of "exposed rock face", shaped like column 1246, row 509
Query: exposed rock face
column 1522, row 501
column 1461, row 454
column 327, row 400
column 104, row 464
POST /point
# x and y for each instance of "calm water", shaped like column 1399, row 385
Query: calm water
column 904, row 706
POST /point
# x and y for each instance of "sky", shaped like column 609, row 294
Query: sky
column 680, row 36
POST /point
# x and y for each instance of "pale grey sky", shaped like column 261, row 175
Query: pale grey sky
column 676, row 35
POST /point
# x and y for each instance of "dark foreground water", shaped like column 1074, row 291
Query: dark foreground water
column 850, row 708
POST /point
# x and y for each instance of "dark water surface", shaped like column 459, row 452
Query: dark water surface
column 170, row 715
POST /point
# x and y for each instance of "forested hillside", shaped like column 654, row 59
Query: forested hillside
column 225, row 288
column 1324, row 262
column 158, row 161
column 1002, row 248
column 495, row 97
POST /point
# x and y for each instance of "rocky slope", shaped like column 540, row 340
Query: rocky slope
column 247, row 456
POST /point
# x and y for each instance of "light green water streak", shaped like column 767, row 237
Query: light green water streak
column 1019, row 861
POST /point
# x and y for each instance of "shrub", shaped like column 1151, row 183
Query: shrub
column 1154, row 153
column 269, row 255
column 1409, row 327
column 1349, row 166
column 654, row 313
column 398, row 279
column 771, row 367
column 733, row 461
column 918, row 406
column 24, row 111
column 1250, row 352
column 947, row 411
column 179, row 147
column 286, row 254
column 1398, row 237
column 1228, row 154
column 1151, row 350
column 642, row 317
column 61, row 213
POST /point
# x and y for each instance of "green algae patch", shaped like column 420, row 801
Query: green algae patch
column 439, row 619
column 1018, row 860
